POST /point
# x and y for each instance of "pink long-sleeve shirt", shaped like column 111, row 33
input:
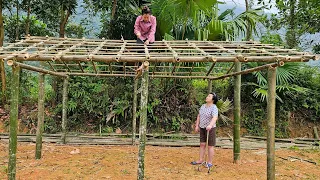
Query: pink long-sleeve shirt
column 146, row 29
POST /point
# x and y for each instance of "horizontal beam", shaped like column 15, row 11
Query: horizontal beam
column 109, row 59
column 259, row 68
column 36, row 69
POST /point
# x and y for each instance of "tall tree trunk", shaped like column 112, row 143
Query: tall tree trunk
column 28, row 19
column 17, row 23
column 63, row 22
column 291, row 35
column 249, row 32
column 114, row 8
column 2, row 70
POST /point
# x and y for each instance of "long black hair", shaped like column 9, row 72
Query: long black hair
column 214, row 98
column 145, row 10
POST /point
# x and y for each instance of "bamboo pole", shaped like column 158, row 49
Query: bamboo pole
column 64, row 109
column 40, row 126
column 134, row 111
column 237, row 115
column 132, row 58
column 14, row 112
column 271, row 106
column 3, row 82
column 33, row 68
column 316, row 135
column 143, row 120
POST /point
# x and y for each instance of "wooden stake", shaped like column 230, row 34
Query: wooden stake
column 316, row 135
column 236, row 123
column 64, row 109
column 14, row 112
column 3, row 81
column 143, row 120
column 134, row 111
column 271, row 106
column 40, row 126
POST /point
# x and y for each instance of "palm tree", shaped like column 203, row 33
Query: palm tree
column 285, row 82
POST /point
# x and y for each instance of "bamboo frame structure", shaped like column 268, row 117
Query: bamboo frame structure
column 211, row 60
column 90, row 57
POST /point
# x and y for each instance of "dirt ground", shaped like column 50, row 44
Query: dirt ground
column 120, row 162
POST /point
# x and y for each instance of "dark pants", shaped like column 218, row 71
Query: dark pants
column 212, row 136
column 139, row 41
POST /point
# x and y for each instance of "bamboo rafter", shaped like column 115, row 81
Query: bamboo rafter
column 196, row 59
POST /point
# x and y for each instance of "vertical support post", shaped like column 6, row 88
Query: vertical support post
column 271, row 107
column 236, row 114
column 134, row 111
column 143, row 119
column 40, row 126
column 3, row 81
column 209, row 86
column 14, row 112
column 64, row 109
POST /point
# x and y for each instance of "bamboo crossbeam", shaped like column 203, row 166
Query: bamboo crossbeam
column 25, row 56
column 46, row 50
column 259, row 68
column 32, row 68
column 51, row 66
column 211, row 68
column 175, row 55
column 230, row 68
column 61, row 53
column 121, row 51
column 80, row 66
column 97, row 49
column 108, row 59
column 146, row 51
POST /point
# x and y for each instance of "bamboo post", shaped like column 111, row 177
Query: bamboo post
column 271, row 106
column 134, row 111
column 64, row 109
column 236, row 123
column 40, row 126
column 3, row 81
column 14, row 112
column 209, row 86
column 143, row 119
column 316, row 135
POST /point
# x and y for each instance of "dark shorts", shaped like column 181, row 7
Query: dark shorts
column 212, row 136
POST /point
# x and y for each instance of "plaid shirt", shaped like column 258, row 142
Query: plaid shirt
column 146, row 29
column 206, row 115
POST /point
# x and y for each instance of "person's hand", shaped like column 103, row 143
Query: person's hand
column 138, row 35
column 147, row 42
column 196, row 129
column 208, row 128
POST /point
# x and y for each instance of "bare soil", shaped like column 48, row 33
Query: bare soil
column 120, row 162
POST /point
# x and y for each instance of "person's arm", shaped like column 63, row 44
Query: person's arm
column 197, row 123
column 152, row 30
column 137, row 29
